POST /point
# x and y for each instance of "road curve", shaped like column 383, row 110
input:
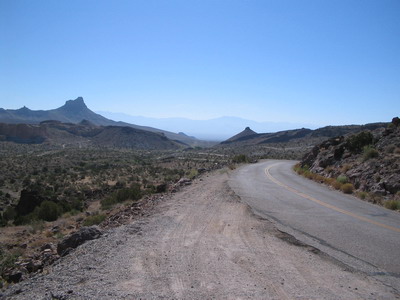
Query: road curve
column 364, row 236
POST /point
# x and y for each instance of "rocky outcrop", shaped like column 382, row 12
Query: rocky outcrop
column 370, row 160
column 35, row 263
column 78, row 238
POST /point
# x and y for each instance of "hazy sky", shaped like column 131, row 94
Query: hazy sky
column 321, row 62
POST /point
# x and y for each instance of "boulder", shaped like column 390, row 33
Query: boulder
column 78, row 238
column 184, row 181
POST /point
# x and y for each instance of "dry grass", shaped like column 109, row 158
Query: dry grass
column 347, row 188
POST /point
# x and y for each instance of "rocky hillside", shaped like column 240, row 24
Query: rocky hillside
column 74, row 111
column 85, row 134
column 369, row 160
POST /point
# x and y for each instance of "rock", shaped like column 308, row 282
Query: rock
column 55, row 229
column 392, row 183
column 15, row 276
column 34, row 265
column 345, row 155
column 47, row 246
column 184, row 181
column 78, row 238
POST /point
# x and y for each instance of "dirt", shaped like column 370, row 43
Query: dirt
column 201, row 243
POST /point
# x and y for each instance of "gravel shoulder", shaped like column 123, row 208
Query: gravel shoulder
column 200, row 243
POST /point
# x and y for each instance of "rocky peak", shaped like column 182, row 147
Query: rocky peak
column 23, row 109
column 77, row 104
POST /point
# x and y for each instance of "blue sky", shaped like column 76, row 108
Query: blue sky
column 310, row 61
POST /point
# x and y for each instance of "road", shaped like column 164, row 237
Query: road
column 200, row 243
column 364, row 236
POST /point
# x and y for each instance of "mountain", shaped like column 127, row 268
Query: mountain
column 217, row 129
column 74, row 111
column 246, row 134
column 85, row 134
column 250, row 138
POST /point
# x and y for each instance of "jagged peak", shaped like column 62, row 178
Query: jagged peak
column 77, row 103
column 248, row 130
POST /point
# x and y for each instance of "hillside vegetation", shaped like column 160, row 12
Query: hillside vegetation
column 366, row 163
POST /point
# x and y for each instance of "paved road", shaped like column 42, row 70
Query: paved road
column 362, row 235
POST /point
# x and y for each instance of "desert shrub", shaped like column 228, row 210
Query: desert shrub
column 345, row 168
column 392, row 204
column 9, row 214
column 319, row 178
column 133, row 193
column 356, row 142
column 329, row 169
column 342, row 179
column 94, row 220
column 362, row 195
column 193, row 173
column 329, row 181
column 347, row 188
column 48, row 211
column 337, row 185
column 36, row 226
column 8, row 259
column 369, row 152
column 240, row 158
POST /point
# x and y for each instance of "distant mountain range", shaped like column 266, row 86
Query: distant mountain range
column 86, row 134
column 248, row 137
column 74, row 111
column 76, row 122
column 218, row 129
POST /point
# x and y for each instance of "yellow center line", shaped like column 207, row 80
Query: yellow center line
column 346, row 212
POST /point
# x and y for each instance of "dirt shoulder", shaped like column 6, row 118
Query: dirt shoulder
column 202, row 243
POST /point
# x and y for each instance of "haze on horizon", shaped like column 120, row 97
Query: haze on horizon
column 301, row 62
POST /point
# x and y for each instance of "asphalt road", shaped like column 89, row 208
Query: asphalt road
column 364, row 236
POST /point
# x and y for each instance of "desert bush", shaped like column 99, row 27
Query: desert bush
column 319, row 178
column 337, row 185
column 329, row 181
column 345, row 168
column 329, row 169
column 342, row 179
column 133, row 193
column 392, row 204
column 36, row 226
column 240, row 158
column 48, row 211
column 369, row 152
column 193, row 173
column 362, row 195
column 94, row 219
column 9, row 214
column 347, row 188
column 8, row 259
column 356, row 142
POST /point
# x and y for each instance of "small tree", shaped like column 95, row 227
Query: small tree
column 49, row 211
